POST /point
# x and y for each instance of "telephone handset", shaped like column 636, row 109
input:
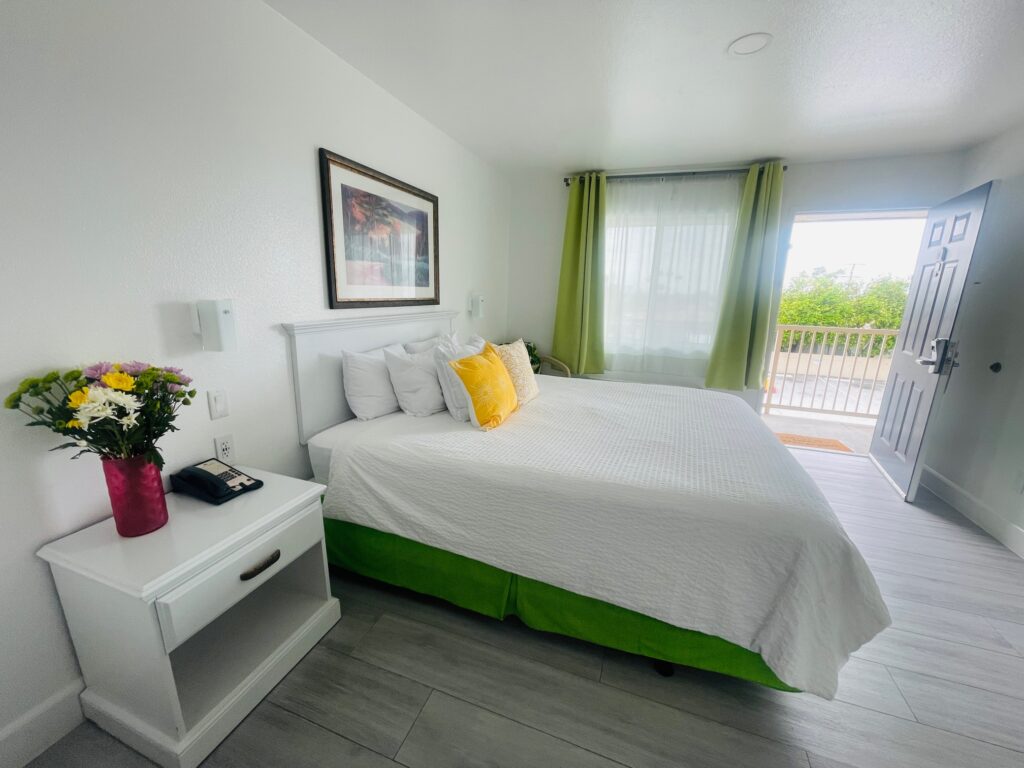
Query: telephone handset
column 213, row 481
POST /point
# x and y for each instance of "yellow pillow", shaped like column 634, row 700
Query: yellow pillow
column 489, row 389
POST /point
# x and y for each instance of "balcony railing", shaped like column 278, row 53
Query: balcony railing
column 829, row 370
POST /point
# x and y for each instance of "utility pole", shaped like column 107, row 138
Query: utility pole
column 853, row 268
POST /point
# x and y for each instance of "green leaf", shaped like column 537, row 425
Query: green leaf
column 831, row 299
column 64, row 445
column 154, row 456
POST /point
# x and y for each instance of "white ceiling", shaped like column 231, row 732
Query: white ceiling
column 574, row 84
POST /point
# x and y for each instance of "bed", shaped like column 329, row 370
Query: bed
column 662, row 521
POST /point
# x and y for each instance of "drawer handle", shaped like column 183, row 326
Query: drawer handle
column 259, row 568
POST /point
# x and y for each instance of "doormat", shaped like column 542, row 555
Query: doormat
column 803, row 441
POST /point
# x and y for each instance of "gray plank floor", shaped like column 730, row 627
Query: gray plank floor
column 406, row 680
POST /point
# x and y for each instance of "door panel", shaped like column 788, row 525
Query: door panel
column 932, row 303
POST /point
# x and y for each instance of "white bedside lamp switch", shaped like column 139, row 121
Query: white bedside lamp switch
column 214, row 321
column 218, row 402
column 476, row 305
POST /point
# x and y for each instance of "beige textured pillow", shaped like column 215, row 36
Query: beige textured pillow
column 517, row 361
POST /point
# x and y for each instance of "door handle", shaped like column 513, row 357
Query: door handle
column 939, row 362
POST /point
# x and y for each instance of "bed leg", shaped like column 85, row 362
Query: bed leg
column 663, row 668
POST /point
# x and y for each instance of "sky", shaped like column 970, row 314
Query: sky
column 870, row 247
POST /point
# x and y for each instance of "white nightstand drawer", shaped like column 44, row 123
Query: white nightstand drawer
column 190, row 607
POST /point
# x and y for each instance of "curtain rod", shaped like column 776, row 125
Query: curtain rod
column 567, row 180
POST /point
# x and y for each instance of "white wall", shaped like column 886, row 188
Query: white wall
column 918, row 181
column 152, row 154
column 539, row 199
column 537, row 224
column 975, row 451
column 1000, row 158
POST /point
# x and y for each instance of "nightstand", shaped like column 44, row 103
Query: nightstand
column 181, row 632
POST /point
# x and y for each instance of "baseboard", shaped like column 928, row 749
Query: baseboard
column 24, row 739
column 975, row 509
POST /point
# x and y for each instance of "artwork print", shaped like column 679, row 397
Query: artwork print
column 380, row 235
column 385, row 241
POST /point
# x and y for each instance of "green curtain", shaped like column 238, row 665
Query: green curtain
column 737, row 356
column 579, row 316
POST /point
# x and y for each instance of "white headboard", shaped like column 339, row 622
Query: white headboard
column 316, row 347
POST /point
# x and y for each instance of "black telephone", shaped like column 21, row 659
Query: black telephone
column 213, row 481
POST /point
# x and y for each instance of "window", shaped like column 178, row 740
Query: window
column 667, row 246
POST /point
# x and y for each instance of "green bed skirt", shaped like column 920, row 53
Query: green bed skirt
column 493, row 592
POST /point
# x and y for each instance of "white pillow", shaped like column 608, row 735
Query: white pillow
column 414, row 347
column 414, row 378
column 451, row 385
column 517, row 362
column 367, row 383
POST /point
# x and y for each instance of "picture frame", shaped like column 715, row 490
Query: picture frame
column 380, row 237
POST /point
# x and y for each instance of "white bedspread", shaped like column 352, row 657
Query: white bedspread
column 677, row 503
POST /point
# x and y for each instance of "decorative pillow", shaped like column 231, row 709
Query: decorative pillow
column 367, row 383
column 414, row 378
column 517, row 361
column 414, row 347
column 487, row 386
column 451, row 388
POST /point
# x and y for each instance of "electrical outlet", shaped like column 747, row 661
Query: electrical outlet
column 224, row 446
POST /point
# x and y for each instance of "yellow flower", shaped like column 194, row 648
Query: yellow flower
column 79, row 397
column 118, row 380
column 74, row 424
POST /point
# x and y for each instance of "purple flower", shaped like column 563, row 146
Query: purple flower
column 95, row 372
column 174, row 387
column 182, row 378
column 134, row 368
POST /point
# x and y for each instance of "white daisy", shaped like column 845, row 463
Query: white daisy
column 123, row 399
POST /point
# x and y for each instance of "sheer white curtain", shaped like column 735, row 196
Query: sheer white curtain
column 667, row 245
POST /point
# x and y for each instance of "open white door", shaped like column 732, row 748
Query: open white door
column 925, row 352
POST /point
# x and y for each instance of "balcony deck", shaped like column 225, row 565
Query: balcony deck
column 854, row 433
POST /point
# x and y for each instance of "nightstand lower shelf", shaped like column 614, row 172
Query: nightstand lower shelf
column 203, row 737
column 213, row 663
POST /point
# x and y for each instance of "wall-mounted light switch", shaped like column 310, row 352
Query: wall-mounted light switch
column 218, row 402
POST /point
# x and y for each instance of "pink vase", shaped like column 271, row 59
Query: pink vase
column 136, row 495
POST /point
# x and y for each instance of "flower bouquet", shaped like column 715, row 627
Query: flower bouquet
column 118, row 411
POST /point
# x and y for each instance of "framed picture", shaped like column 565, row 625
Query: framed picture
column 380, row 235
